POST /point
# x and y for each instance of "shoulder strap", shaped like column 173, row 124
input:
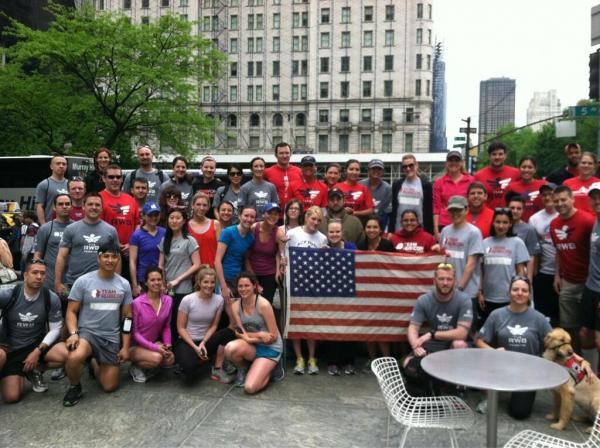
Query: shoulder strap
column 3, row 312
column 161, row 175
column 48, row 238
column 224, row 192
column 132, row 177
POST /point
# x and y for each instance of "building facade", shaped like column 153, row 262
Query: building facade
column 439, row 142
column 331, row 76
column 496, row 106
column 542, row 106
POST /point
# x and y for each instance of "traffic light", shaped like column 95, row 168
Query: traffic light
column 595, row 76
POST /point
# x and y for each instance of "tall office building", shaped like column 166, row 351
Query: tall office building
column 496, row 105
column 323, row 75
column 439, row 142
column 543, row 105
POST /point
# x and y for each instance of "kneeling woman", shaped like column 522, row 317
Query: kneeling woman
column 151, row 328
column 259, row 342
column 197, row 321
column 497, row 333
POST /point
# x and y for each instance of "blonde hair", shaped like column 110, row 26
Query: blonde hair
column 200, row 194
column 205, row 270
column 412, row 157
column 314, row 210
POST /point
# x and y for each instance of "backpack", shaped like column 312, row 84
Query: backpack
column 4, row 329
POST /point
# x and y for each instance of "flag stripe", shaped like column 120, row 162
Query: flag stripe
column 356, row 336
column 299, row 307
column 381, row 280
column 345, row 301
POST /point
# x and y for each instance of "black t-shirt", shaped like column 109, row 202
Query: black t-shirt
column 210, row 188
column 559, row 176
column 383, row 246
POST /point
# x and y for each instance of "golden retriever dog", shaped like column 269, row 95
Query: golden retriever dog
column 583, row 387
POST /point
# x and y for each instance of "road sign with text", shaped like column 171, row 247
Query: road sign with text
column 584, row 111
column 471, row 130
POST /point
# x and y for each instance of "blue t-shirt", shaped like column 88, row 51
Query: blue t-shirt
column 148, row 252
column 237, row 246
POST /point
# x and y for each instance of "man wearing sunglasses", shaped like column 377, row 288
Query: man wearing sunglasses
column 380, row 190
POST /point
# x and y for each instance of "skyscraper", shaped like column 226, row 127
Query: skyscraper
column 438, row 114
column 496, row 105
column 543, row 105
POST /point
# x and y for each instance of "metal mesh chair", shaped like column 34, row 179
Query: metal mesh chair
column 534, row 439
column 446, row 412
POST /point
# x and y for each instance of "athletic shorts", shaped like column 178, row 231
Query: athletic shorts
column 103, row 350
column 590, row 309
column 569, row 302
column 14, row 361
column 264, row 351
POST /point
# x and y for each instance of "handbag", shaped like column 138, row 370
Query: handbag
column 7, row 275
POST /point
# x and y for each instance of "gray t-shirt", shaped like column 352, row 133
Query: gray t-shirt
column 593, row 279
column 200, row 313
column 258, row 195
column 84, row 240
column 186, row 189
column 47, row 241
column 382, row 197
column 230, row 196
column 179, row 260
column 154, row 183
column 27, row 318
column 541, row 224
column 500, row 258
column 410, row 197
column 46, row 191
column 518, row 332
column 442, row 316
column 459, row 245
column 101, row 301
column 529, row 236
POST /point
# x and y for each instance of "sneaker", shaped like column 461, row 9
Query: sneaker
column 278, row 372
column 137, row 374
column 482, row 407
column 220, row 375
column 58, row 374
column 313, row 368
column 36, row 378
column 241, row 377
column 299, row 367
column 73, row 395
column 367, row 367
column 333, row 370
column 349, row 369
column 229, row 367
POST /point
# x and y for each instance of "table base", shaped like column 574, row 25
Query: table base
column 492, row 419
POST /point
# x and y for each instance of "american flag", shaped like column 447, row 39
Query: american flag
column 337, row 294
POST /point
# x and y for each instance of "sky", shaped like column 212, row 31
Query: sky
column 543, row 44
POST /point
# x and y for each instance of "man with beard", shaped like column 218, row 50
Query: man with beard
column 573, row 155
column 154, row 176
column 497, row 176
column 351, row 226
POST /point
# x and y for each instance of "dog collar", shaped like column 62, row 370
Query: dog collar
column 575, row 370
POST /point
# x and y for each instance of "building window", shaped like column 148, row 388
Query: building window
column 368, row 14
column 323, row 143
column 429, row 12
column 419, row 10
column 428, row 62
column 126, row 4
column 259, row 45
column 232, row 120
column 389, row 12
column 429, row 37
column 276, row 20
column 164, row 3
column 276, row 44
column 145, row 20
column 325, row 15
column 344, row 89
column 365, row 115
column 346, row 14
column 233, row 23
column 389, row 38
column 258, row 67
column 258, row 93
column 250, row 21
column 300, row 120
column 254, row 142
column 419, row 36
column 183, row 17
column 323, row 90
column 254, row 120
column 206, row 94
column 233, row 45
column 300, row 141
column 295, row 68
column 232, row 141
column 343, row 143
column 410, row 115
column 259, row 22
column 206, row 23
column 296, row 20
column 344, row 115
column 275, row 92
column 234, row 2
column 250, row 94
column 184, row 2
column 365, row 143
column 276, row 68
column 277, row 121
column 250, row 45
column 388, row 88
column 366, row 89
column 418, row 87
column 345, row 41
column 300, row 20
column 145, row 3
column 233, row 69
column 345, row 64
column 368, row 39
column 233, row 94
column 325, row 42
column 388, row 62
column 323, row 116
column 428, row 88
column 303, row 91
column 408, row 143
column 250, row 69
column 367, row 63
column 324, row 66
column 419, row 64
column 388, row 115
column 386, row 143
column 295, row 91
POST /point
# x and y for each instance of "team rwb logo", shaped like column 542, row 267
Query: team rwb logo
column 184, row 196
column 503, row 183
column 151, row 185
column 356, row 195
column 261, row 194
column 562, row 233
column 92, row 238
column 61, row 191
column 92, row 243
column 120, row 209
column 28, row 317
column 313, row 193
column 517, row 330
column 444, row 318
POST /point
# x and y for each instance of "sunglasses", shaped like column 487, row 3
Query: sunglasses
column 114, row 177
column 37, row 261
column 77, row 179
column 410, row 166
column 235, row 173
column 446, row 266
column 514, row 278
column 502, row 209
column 172, row 195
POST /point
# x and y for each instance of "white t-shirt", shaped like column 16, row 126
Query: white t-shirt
column 541, row 223
column 410, row 197
column 299, row 238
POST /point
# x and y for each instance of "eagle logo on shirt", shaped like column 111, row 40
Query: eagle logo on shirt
column 61, row 191
column 28, row 317
column 581, row 192
column 92, row 238
column 497, row 182
column 595, row 237
column 261, row 194
column 533, row 195
column 517, row 330
column 444, row 318
column 151, row 185
column 120, row 209
column 184, row 196
column 563, row 233
column 356, row 195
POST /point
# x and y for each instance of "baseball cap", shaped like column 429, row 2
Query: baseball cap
column 594, row 187
column 307, row 161
column 150, row 207
column 457, row 203
column 375, row 163
column 335, row 192
column 454, row 154
column 549, row 186
column 271, row 206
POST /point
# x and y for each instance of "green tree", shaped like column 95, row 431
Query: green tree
column 94, row 79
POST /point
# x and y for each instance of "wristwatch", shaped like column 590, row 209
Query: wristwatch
column 461, row 288
column 73, row 333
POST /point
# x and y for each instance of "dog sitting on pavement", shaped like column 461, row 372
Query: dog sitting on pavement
column 582, row 388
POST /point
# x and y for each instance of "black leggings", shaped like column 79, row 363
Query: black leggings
column 188, row 359
column 177, row 298
column 521, row 404
column 269, row 286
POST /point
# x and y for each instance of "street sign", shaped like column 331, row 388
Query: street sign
column 458, row 146
column 584, row 111
column 471, row 130
column 460, row 139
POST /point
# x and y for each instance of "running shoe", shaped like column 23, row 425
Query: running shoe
column 241, row 377
column 313, row 368
column 36, row 378
column 349, row 369
column 58, row 374
column 278, row 372
column 229, row 367
column 73, row 395
column 482, row 407
column 137, row 374
column 367, row 367
column 299, row 367
column 333, row 370
column 220, row 375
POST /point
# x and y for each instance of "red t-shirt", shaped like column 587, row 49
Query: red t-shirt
column 580, row 192
column 496, row 183
column 121, row 212
column 284, row 180
column 531, row 195
column 314, row 193
column 76, row 213
column 483, row 221
column 417, row 243
column 571, row 237
column 357, row 197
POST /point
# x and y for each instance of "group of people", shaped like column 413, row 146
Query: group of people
column 179, row 272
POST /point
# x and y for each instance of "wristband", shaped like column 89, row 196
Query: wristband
column 73, row 333
column 432, row 333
